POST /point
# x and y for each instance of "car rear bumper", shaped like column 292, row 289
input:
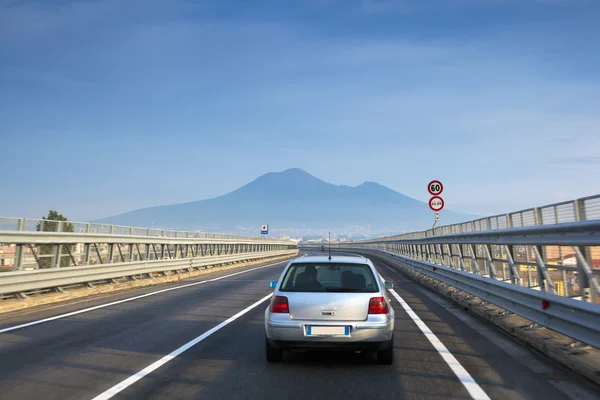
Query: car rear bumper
column 328, row 345
column 290, row 334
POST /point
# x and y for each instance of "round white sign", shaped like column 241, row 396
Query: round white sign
column 436, row 203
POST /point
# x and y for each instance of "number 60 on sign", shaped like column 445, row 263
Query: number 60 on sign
column 435, row 188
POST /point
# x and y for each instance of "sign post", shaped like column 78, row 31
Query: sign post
column 264, row 229
column 436, row 203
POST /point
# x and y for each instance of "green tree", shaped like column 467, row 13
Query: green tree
column 54, row 222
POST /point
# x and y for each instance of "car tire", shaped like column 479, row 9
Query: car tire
column 386, row 356
column 273, row 354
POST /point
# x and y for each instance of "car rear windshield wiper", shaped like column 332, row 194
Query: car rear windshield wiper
column 341, row 290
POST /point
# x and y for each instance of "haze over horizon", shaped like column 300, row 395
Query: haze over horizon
column 295, row 203
column 110, row 106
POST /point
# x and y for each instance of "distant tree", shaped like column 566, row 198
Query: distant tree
column 54, row 222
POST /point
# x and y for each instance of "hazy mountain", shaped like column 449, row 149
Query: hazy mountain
column 293, row 200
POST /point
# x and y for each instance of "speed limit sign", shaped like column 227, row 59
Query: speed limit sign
column 435, row 188
column 436, row 203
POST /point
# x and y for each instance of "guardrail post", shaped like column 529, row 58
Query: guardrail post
column 451, row 261
column 440, row 254
column 86, row 246
column 515, row 278
column 543, row 277
column 59, row 228
column 488, row 223
column 490, row 263
column 474, row 264
column 587, row 280
column 460, row 258
column 579, row 210
column 19, row 249
column 537, row 214
column 111, row 252
column 584, row 278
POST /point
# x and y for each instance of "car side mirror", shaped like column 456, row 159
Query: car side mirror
column 273, row 284
column 388, row 285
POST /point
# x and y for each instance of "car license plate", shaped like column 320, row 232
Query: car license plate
column 327, row 330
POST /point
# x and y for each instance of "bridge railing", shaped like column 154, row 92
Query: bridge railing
column 545, row 269
column 37, row 243
column 36, row 225
column 541, row 273
column 82, row 250
column 582, row 209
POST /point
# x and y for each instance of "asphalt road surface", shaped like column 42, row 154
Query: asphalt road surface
column 204, row 339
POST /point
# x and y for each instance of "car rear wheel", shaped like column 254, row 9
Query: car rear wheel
column 386, row 356
column 273, row 354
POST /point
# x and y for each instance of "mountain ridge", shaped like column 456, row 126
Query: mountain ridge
column 293, row 201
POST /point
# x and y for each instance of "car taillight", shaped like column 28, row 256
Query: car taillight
column 377, row 305
column 280, row 305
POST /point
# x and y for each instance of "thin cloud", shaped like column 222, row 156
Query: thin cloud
column 373, row 7
column 20, row 75
column 517, row 2
column 584, row 160
column 382, row 6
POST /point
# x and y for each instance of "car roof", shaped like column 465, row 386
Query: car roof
column 325, row 259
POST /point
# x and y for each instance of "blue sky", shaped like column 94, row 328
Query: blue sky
column 112, row 105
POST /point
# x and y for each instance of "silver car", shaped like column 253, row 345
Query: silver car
column 323, row 303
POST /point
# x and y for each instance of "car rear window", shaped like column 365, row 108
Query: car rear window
column 329, row 277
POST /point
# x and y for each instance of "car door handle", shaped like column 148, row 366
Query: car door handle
column 327, row 312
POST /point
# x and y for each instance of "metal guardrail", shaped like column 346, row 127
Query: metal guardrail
column 21, row 282
column 57, row 244
column 36, row 225
column 583, row 209
column 575, row 319
column 44, row 254
column 542, row 263
column 562, row 259
column 23, row 237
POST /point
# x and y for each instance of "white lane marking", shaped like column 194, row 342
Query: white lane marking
column 461, row 373
column 522, row 355
column 41, row 321
column 157, row 364
column 490, row 334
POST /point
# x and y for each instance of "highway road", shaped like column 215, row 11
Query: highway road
column 204, row 339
